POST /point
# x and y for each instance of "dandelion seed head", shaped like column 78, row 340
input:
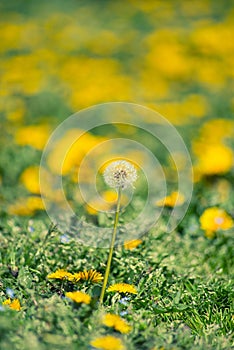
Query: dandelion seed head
column 120, row 174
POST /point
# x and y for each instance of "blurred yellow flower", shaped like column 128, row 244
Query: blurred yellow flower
column 174, row 199
column 60, row 274
column 132, row 244
column 97, row 204
column 167, row 55
column 90, row 275
column 94, row 206
column 10, row 36
column 116, row 322
column 13, row 304
column 33, row 135
column 216, row 130
column 209, row 38
column 26, row 206
column 193, row 106
column 108, row 342
column 18, row 34
column 30, row 179
column 104, row 203
column 110, row 196
column 148, row 87
column 70, row 150
column 209, row 72
column 79, row 297
column 122, row 288
column 213, row 159
column 14, row 76
column 100, row 80
column 191, row 9
column 214, row 219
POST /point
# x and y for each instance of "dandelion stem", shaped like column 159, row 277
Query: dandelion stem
column 111, row 246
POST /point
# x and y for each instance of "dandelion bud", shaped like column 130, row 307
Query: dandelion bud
column 120, row 174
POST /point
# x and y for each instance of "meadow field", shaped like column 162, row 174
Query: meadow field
column 85, row 84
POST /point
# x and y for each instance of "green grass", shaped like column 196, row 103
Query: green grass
column 184, row 299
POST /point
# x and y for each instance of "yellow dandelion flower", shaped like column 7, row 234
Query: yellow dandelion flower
column 60, row 275
column 132, row 244
column 74, row 277
column 214, row 219
column 122, row 288
column 79, row 297
column 174, row 199
column 108, row 342
column 14, row 304
column 116, row 322
column 90, row 275
column 7, row 302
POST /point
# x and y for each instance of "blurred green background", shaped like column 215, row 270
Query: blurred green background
column 59, row 57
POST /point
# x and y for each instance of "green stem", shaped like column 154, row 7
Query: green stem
column 111, row 249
